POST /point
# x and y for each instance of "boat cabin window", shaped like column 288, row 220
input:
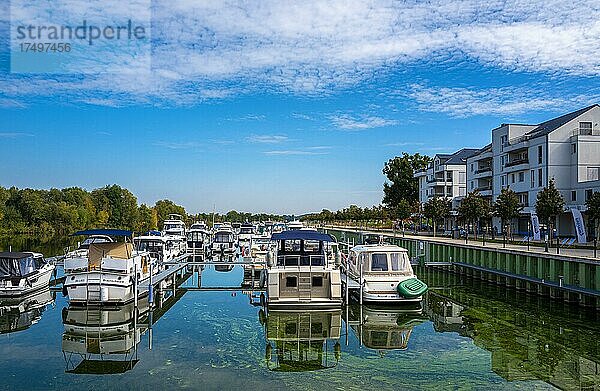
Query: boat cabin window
column 379, row 262
column 152, row 246
column 19, row 267
column 317, row 281
column 291, row 282
column 292, row 246
column 246, row 230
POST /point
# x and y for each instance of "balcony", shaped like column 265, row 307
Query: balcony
column 517, row 143
column 483, row 170
column 516, row 162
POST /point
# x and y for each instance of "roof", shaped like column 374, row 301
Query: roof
column 555, row 123
column 110, row 232
column 302, row 234
column 14, row 255
column 461, row 156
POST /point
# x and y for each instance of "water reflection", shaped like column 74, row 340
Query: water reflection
column 529, row 338
column 20, row 313
column 299, row 342
column 103, row 340
column 384, row 328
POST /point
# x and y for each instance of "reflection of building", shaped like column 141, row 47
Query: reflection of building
column 299, row 342
column 526, row 341
column 20, row 313
column 384, row 328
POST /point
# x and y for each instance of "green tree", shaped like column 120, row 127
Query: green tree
column 549, row 205
column 120, row 204
column 507, row 206
column 472, row 209
column 402, row 184
column 593, row 211
column 437, row 209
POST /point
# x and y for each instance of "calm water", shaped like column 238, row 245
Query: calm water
column 469, row 336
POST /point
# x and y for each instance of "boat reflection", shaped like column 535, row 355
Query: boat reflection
column 225, row 258
column 384, row 327
column 105, row 339
column 302, row 341
column 20, row 313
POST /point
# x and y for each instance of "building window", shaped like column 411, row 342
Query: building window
column 462, row 177
column 588, row 194
column 592, row 173
column 539, row 154
column 540, row 178
column 503, row 180
column 573, row 195
column 512, row 178
column 585, row 128
column 449, row 191
column 522, row 176
column 462, row 191
column 503, row 140
column 502, row 159
column 448, row 176
column 532, row 174
column 472, row 169
column 573, row 148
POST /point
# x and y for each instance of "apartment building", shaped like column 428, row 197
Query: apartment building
column 446, row 177
column 525, row 157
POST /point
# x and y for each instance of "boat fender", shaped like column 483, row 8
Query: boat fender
column 262, row 317
column 65, row 291
column 268, row 351
column 338, row 259
column 269, row 259
column 262, row 280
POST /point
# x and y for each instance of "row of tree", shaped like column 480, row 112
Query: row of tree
column 352, row 213
column 63, row 211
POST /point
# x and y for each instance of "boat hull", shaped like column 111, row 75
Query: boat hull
column 99, row 288
column 27, row 285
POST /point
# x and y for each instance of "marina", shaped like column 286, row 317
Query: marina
column 212, row 320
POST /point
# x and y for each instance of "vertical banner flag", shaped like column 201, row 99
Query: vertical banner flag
column 579, row 225
column 535, row 227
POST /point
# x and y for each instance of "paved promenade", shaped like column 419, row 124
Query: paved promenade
column 587, row 253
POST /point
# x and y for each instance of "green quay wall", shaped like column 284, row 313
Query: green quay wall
column 535, row 272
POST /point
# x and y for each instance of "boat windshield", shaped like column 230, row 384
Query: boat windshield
column 10, row 267
column 223, row 237
column 396, row 262
column 150, row 245
column 173, row 227
column 296, row 252
column 94, row 239
column 246, row 230
column 195, row 236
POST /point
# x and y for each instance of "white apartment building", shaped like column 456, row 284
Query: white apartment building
column 524, row 158
column 446, row 177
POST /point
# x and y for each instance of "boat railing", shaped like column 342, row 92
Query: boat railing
column 301, row 260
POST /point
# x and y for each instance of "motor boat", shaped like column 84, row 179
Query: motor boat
column 223, row 240
column 109, row 274
column 386, row 273
column 198, row 239
column 296, row 224
column 303, row 270
column 161, row 248
column 23, row 272
column 174, row 226
column 82, row 247
column 247, row 231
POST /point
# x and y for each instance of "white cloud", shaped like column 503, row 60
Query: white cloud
column 463, row 102
column 267, row 139
column 14, row 134
column 348, row 122
column 298, row 152
column 178, row 145
column 205, row 50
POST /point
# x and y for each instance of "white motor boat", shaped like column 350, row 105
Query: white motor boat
column 174, row 226
column 296, row 224
column 23, row 272
column 223, row 240
column 198, row 239
column 386, row 273
column 82, row 248
column 161, row 248
column 109, row 273
column 247, row 231
column 303, row 270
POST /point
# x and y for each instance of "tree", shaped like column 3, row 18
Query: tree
column 472, row 208
column 402, row 183
column 507, row 206
column 549, row 205
column 593, row 211
column 164, row 208
column 437, row 209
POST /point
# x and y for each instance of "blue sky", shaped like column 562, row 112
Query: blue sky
column 285, row 107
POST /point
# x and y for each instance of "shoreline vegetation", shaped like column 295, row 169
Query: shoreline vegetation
column 64, row 211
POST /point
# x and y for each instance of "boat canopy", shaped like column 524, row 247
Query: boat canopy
column 18, row 264
column 109, row 232
column 303, row 235
column 113, row 250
